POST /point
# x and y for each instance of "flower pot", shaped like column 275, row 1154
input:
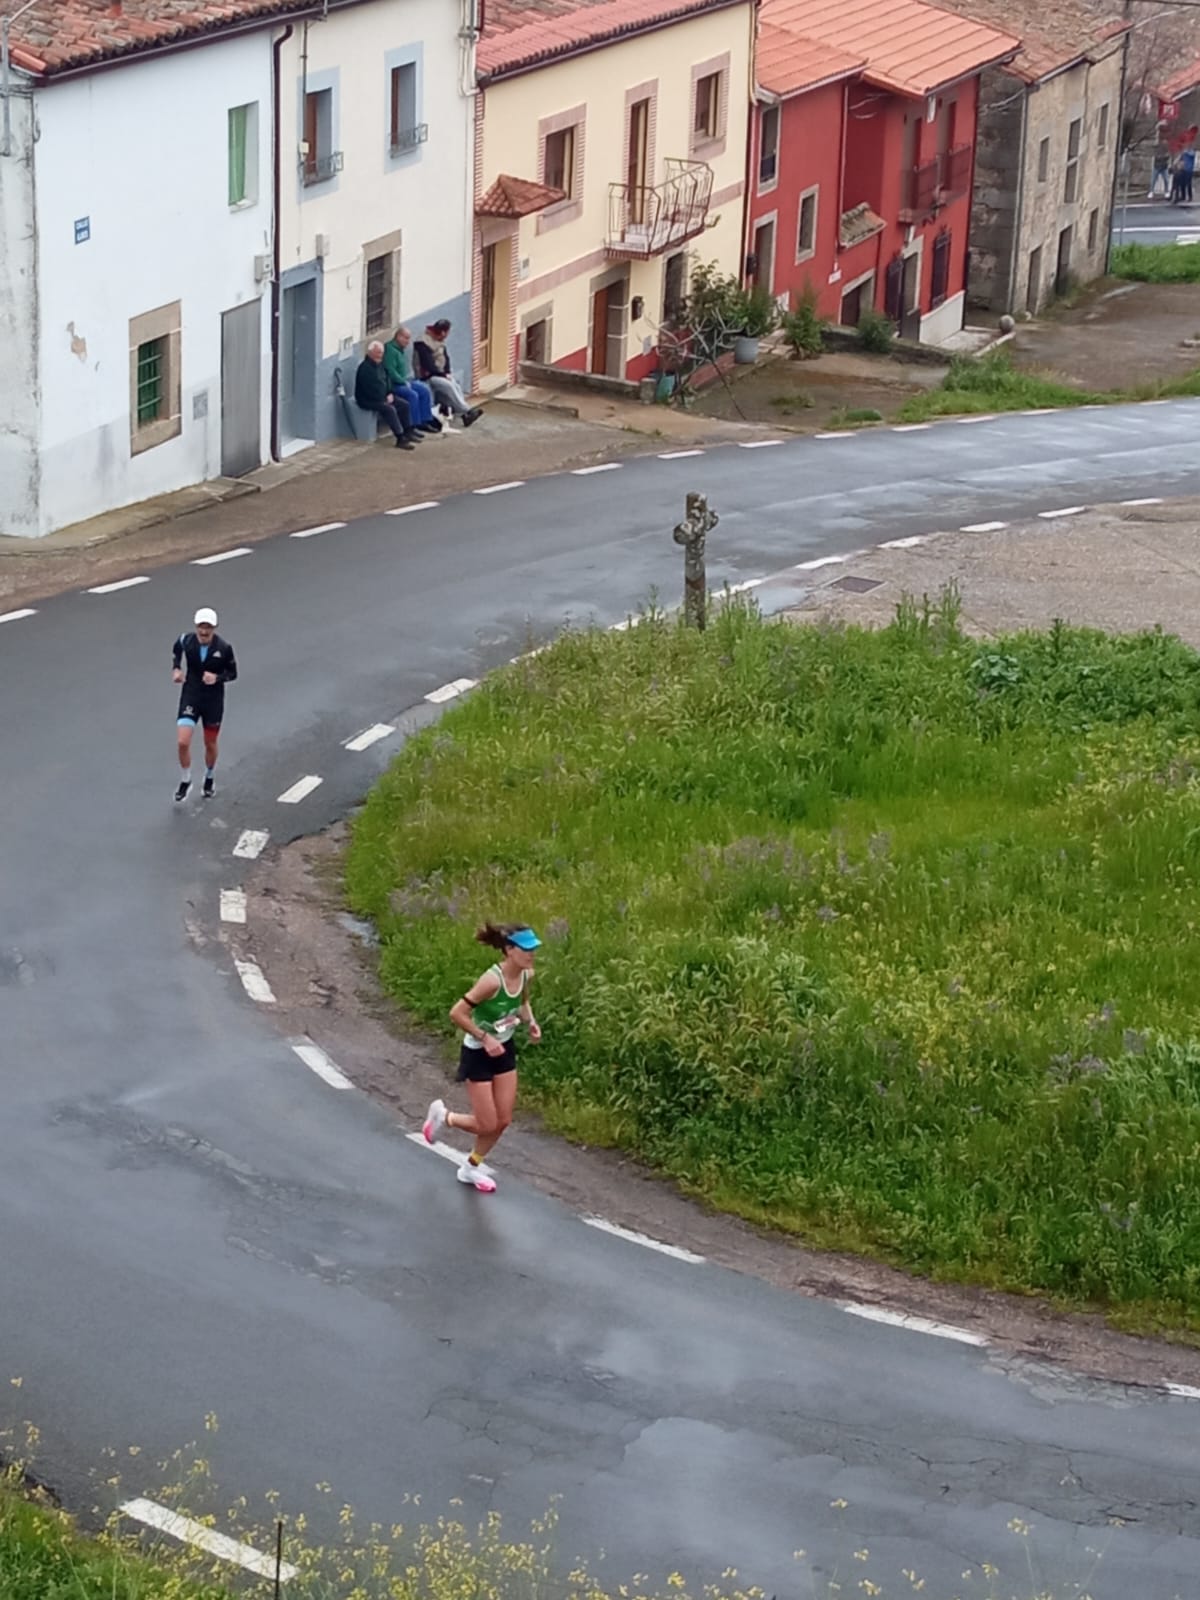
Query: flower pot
column 745, row 350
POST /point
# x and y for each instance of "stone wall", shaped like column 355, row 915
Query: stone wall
column 997, row 188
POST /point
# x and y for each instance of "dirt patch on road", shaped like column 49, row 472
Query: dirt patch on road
column 1116, row 337
column 321, row 967
column 810, row 396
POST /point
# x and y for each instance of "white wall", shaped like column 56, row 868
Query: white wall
column 141, row 150
column 426, row 194
column 939, row 325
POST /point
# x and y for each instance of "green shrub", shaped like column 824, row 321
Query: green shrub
column 876, row 333
column 803, row 327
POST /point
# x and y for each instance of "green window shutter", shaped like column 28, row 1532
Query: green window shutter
column 237, row 154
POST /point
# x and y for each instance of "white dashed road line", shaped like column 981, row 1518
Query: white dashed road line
column 1182, row 1391
column 449, row 691
column 15, row 616
column 421, row 505
column 220, row 1545
column 233, row 905
column 847, row 433
column 499, row 488
column 740, row 588
column 1150, row 500
column 311, row 533
column 314, row 1057
column 255, row 985
column 643, row 1239
column 251, row 844
column 820, row 561
column 122, row 583
column 369, row 736
column 758, row 444
column 1040, row 411
column 965, row 422
column 901, row 1319
column 586, row 472
column 912, row 427
column 678, row 455
column 1064, row 511
column 222, row 555
column 908, row 543
column 303, row 787
column 983, row 527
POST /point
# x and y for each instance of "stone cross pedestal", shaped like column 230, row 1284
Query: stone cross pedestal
column 691, row 533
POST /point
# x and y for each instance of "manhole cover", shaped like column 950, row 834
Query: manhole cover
column 857, row 585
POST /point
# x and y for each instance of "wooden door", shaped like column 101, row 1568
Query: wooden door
column 599, row 353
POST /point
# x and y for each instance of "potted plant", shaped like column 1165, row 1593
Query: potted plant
column 755, row 314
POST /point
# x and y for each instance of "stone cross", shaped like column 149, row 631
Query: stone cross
column 690, row 533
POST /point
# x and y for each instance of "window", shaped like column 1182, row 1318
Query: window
column 674, row 289
column 154, row 386
column 1071, row 187
column 806, row 226
column 406, row 133
column 381, row 285
column 243, row 154
column 637, row 140
column 1102, row 128
column 940, row 278
column 1093, row 231
column 320, row 160
column 768, row 155
column 1043, row 160
column 537, row 342
column 560, row 161
column 707, row 122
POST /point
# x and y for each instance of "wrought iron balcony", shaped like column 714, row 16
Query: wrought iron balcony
column 646, row 220
column 935, row 183
column 319, row 169
column 405, row 139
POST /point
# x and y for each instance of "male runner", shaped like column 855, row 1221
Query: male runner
column 204, row 664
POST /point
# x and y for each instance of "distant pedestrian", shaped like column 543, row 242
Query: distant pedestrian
column 1160, row 187
column 203, row 663
column 489, row 1015
column 1188, row 164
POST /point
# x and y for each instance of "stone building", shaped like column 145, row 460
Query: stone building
column 1047, row 151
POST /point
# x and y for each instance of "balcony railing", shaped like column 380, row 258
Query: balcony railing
column 405, row 139
column 319, row 169
column 646, row 220
column 935, row 183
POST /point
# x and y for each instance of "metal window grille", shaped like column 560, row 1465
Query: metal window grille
column 806, row 233
column 151, row 380
column 893, row 288
column 379, row 292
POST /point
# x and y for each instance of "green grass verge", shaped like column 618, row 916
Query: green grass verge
column 993, row 383
column 888, row 938
column 1157, row 263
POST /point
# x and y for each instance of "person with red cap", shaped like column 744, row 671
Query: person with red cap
column 203, row 663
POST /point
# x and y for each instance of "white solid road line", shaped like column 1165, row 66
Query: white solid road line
column 421, row 505
column 983, row 527
column 15, row 616
column 223, row 555
column 909, row 543
column 233, row 905
column 678, row 455
column 901, row 1319
column 1150, row 500
column 188, row 1531
column 1064, row 511
column 758, row 444
column 313, row 1056
column 369, row 736
column 643, row 1239
column 251, row 844
column 322, row 527
column 499, row 488
column 123, row 583
column 586, row 472
column 449, row 691
column 255, row 985
column 304, row 786
column 447, row 1152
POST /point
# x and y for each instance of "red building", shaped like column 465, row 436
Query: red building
column 863, row 154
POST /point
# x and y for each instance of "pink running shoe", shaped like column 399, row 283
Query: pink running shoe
column 435, row 1121
column 478, row 1177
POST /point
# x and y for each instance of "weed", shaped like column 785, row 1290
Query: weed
column 1159, row 263
column 876, row 333
column 803, row 327
column 854, row 416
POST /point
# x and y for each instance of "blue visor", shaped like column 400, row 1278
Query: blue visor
column 525, row 939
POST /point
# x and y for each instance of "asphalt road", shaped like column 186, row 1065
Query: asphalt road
column 1156, row 222
column 192, row 1222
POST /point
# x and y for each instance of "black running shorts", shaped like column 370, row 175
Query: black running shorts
column 476, row 1066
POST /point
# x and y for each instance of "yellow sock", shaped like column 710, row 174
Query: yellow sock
column 474, row 1160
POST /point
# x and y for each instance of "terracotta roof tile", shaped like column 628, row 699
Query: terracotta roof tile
column 56, row 35
column 858, row 224
column 786, row 63
column 1179, row 83
column 909, row 46
column 1053, row 36
column 520, row 34
column 517, row 197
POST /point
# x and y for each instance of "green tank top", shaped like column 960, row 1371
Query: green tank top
column 499, row 1016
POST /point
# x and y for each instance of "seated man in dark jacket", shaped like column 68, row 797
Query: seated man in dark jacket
column 373, row 392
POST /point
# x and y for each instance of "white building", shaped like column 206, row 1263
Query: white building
column 149, row 257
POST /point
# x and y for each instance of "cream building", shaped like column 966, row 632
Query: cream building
column 610, row 157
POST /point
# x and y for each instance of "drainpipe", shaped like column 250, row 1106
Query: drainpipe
column 5, row 85
column 276, row 257
column 1019, row 213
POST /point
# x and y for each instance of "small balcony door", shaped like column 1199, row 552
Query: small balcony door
column 636, row 177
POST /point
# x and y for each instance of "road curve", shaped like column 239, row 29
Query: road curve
column 193, row 1221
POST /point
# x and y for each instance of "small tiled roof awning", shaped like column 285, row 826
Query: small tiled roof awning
column 517, row 197
column 858, row 224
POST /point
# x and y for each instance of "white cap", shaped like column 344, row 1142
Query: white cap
column 205, row 614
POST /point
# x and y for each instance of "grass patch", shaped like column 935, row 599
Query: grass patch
column 993, row 383
column 887, row 937
column 1156, row 263
column 854, row 416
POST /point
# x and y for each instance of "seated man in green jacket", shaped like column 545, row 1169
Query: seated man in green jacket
column 398, row 362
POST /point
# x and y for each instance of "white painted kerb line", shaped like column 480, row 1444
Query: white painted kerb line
column 983, row 527
column 369, row 736
column 196, row 1534
column 255, row 985
column 900, row 1319
column 15, row 616
column 311, row 533
column 305, row 786
column 223, row 555
column 499, row 488
column 122, row 583
column 314, row 1057
column 421, row 505
column 233, row 905
column 251, row 844
column 1064, row 511
column 586, row 472
column 643, row 1239
column 449, row 691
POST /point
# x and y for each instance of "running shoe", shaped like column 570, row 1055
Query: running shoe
column 208, row 790
column 182, row 792
column 478, row 1177
column 435, row 1121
